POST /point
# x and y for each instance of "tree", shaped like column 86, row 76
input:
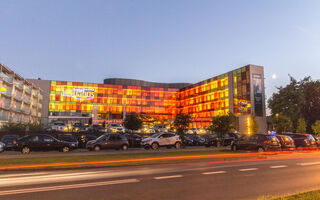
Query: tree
column 181, row 122
column 316, row 127
column 287, row 101
column 132, row 122
column 282, row 123
column 302, row 125
column 223, row 124
column 298, row 99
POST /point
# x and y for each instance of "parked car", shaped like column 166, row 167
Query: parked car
column 196, row 140
column 8, row 140
column 42, row 142
column 83, row 139
column 108, row 141
column 191, row 131
column 115, row 128
column 133, row 139
column 317, row 138
column 287, row 143
column 259, row 142
column 95, row 128
column 187, row 141
column 162, row 139
column 2, row 147
column 211, row 140
column 160, row 128
column 302, row 140
column 59, row 126
column 69, row 138
column 228, row 138
column 79, row 127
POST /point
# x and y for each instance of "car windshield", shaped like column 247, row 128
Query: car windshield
column 102, row 137
column 310, row 137
column 155, row 135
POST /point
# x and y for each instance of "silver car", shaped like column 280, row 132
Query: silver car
column 2, row 147
column 162, row 139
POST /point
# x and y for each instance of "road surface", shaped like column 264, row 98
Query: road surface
column 240, row 179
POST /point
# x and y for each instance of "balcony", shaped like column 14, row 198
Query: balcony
column 28, row 90
column 26, row 111
column 26, row 100
column 6, row 106
column 8, row 93
column 18, row 97
column 35, row 94
column 6, row 78
column 19, row 85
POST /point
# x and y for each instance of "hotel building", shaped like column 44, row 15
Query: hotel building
column 20, row 100
column 240, row 91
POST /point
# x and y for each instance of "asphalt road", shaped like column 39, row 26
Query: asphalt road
column 241, row 179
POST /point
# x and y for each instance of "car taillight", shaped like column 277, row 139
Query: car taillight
column 266, row 141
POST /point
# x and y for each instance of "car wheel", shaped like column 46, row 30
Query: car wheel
column 97, row 148
column 260, row 150
column 65, row 149
column 177, row 145
column 124, row 147
column 155, row 146
column 25, row 150
column 146, row 147
column 234, row 148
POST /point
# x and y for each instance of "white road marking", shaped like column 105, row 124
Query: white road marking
column 310, row 163
column 65, row 187
column 167, row 177
column 248, row 169
column 22, row 175
column 216, row 172
column 278, row 166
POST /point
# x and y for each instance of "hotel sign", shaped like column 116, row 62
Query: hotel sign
column 83, row 94
column 3, row 90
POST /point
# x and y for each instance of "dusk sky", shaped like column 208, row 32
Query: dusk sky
column 161, row 41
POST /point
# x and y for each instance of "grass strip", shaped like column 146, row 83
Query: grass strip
column 310, row 195
column 119, row 159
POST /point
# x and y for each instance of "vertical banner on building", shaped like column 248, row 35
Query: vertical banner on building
column 257, row 94
column 95, row 114
column 124, row 113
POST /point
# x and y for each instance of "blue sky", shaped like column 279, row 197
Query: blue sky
column 164, row 41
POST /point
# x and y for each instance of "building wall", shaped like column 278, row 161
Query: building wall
column 76, row 99
column 236, row 91
column 45, row 92
column 20, row 100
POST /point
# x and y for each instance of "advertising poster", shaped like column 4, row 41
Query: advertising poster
column 257, row 93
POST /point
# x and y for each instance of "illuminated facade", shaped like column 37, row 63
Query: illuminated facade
column 240, row 91
column 20, row 100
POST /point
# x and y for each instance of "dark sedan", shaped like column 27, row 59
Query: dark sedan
column 109, row 141
column 8, row 140
column 305, row 141
column 197, row 140
column 287, row 143
column 134, row 140
column 258, row 142
column 41, row 142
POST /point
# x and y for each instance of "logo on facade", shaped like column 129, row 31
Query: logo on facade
column 83, row 94
column 3, row 90
column 244, row 106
